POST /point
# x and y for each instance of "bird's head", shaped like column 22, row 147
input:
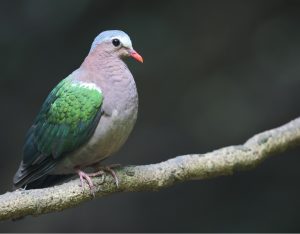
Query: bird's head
column 116, row 42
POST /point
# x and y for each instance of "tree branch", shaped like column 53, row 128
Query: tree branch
column 153, row 177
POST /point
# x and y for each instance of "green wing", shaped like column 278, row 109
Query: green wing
column 67, row 119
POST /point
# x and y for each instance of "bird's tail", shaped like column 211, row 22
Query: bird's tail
column 43, row 182
column 47, row 181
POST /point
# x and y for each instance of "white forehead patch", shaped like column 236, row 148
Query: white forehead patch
column 110, row 35
column 125, row 41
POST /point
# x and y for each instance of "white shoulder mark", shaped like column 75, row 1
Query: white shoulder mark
column 90, row 86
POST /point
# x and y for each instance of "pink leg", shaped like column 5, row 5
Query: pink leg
column 84, row 176
column 100, row 171
column 113, row 174
column 97, row 173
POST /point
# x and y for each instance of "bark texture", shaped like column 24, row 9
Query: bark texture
column 154, row 177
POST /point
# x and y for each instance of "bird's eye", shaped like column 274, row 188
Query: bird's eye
column 116, row 42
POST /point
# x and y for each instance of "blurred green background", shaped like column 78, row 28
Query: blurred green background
column 215, row 73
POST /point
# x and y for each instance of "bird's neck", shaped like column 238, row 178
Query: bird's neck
column 113, row 77
column 101, row 61
column 104, row 69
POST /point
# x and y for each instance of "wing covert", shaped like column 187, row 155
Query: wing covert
column 67, row 119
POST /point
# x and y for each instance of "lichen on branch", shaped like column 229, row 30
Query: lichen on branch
column 154, row 177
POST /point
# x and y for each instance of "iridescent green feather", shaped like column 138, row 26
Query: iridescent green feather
column 75, row 104
column 67, row 119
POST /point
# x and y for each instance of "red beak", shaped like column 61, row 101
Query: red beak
column 136, row 56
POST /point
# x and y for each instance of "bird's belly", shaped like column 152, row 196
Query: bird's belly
column 110, row 134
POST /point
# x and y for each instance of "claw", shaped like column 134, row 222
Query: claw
column 108, row 169
column 113, row 174
column 84, row 176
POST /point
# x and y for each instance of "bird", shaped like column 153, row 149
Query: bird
column 86, row 118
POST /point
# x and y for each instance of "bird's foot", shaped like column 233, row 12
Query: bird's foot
column 85, row 177
column 98, row 173
column 108, row 169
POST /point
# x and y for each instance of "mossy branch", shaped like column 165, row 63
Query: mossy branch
column 154, row 177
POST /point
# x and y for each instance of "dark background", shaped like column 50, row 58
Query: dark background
column 215, row 73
